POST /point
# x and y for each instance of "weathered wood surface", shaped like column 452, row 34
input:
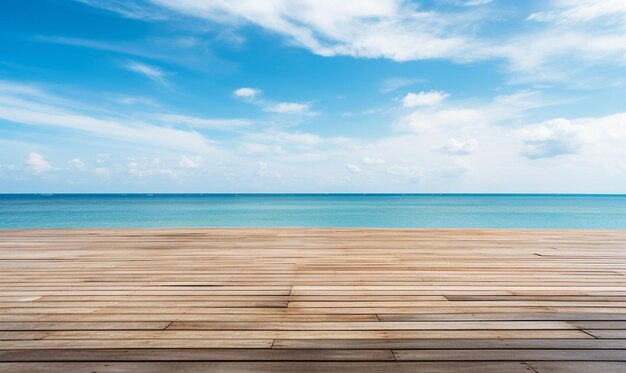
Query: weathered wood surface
column 350, row 300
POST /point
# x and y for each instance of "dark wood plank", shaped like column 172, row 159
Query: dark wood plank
column 452, row 344
column 577, row 367
column 269, row 367
column 511, row 355
column 196, row 354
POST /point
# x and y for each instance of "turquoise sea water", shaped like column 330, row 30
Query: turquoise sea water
column 319, row 210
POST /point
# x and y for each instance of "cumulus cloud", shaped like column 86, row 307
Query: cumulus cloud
column 430, row 98
column 246, row 92
column 459, row 147
column 38, row 163
column 501, row 108
column 419, row 121
column 271, row 106
column 550, row 139
column 76, row 163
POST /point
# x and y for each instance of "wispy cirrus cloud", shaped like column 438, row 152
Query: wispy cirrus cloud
column 151, row 72
column 30, row 105
column 586, row 31
column 394, row 29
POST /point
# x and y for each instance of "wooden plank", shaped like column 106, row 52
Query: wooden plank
column 599, row 324
column 315, row 334
column 47, row 344
column 616, row 334
column 448, row 325
column 452, row 344
column 511, row 355
column 577, row 367
column 269, row 367
column 78, row 325
column 530, row 316
column 22, row 335
column 196, row 354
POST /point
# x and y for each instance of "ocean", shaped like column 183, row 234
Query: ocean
column 313, row 210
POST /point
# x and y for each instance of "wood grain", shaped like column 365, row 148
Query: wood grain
column 352, row 300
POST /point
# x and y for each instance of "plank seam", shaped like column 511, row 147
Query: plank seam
column 531, row 367
column 588, row 333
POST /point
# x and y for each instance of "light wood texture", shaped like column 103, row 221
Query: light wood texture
column 350, row 300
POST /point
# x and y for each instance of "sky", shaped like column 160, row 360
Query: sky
column 313, row 96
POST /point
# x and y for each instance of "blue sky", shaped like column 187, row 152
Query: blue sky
column 313, row 96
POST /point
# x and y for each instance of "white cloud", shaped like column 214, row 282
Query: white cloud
column 581, row 11
column 287, row 108
column 394, row 29
column 459, row 147
column 76, row 163
column 246, row 92
column 597, row 141
column 353, row 168
column 38, row 163
column 292, row 108
column 573, row 35
column 550, row 139
column 189, row 162
column 445, row 117
column 151, row 72
column 430, row 98
column 449, row 117
column 32, row 106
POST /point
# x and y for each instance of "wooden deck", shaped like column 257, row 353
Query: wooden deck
column 312, row 300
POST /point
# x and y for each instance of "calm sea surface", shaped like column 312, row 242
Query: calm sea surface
column 319, row 210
